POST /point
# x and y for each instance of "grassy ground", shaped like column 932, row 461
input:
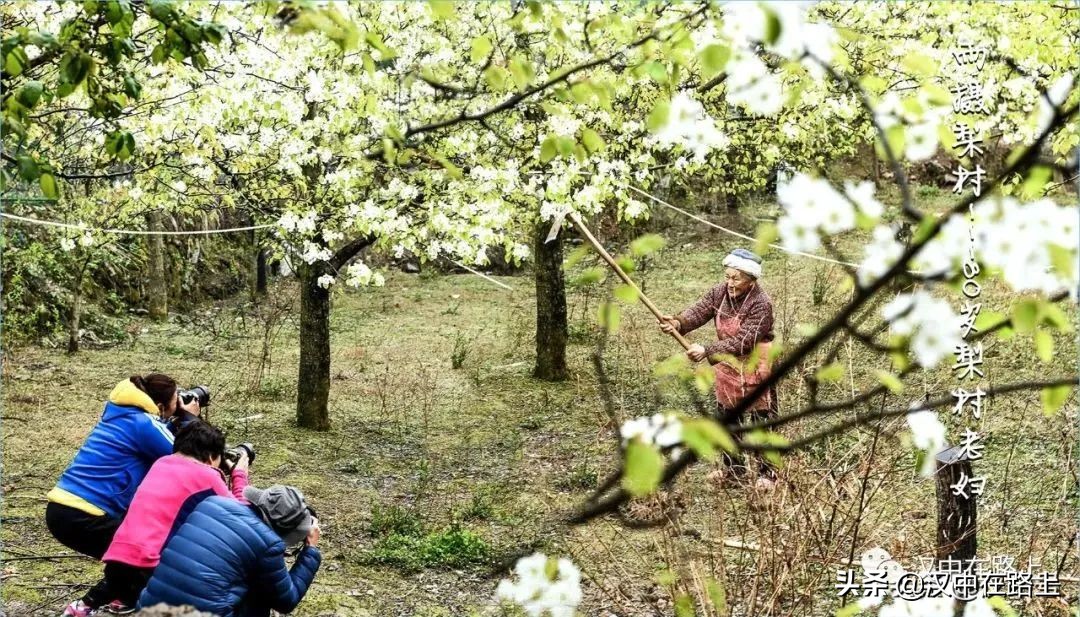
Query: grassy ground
column 432, row 473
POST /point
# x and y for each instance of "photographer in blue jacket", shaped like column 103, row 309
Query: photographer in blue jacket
column 94, row 492
column 228, row 558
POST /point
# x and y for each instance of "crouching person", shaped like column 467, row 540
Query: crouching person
column 228, row 558
column 172, row 489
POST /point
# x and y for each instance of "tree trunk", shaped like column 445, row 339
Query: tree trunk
column 260, row 272
column 956, row 513
column 158, row 289
column 313, row 383
column 75, row 317
column 550, row 308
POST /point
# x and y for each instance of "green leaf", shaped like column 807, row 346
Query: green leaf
column 704, row 378
column 831, row 372
column 132, row 87
column 936, row 94
column 767, row 233
column 627, row 264
column 30, row 93
column 894, row 136
column 522, row 71
column 610, row 316
column 453, row 170
column 1025, row 315
column 442, row 9
column 158, row 54
column 1063, row 260
column 548, row 149
column 1035, row 182
column 1044, row 345
column 588, row 277
column 592, row 140
column 1054, row 317
column 625, row 293
column 988, row 319
column 643, row 469
column 709, row 431
column 873, row 84
column 658, row 118
column 48, row 186
column 161, row 10
column 717, row 596
column 480, row 48
column 773, row 26
column 713, row 60
column 496, row 77
column 14, row 62
column 28, row 167
column 214, row 33
column 849, row 610
column 565, row 145
column 890, row 381
column 1054, row 397
column 657, row 71
column 919, row 64
column 575, row 257
column 684, row 605
column 646, row 244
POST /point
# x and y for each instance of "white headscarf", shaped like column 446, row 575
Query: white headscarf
column 744, row 261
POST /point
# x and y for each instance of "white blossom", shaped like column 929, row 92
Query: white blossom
column 862, row 194
column 922, row 141
column 86, row 239
column 661, row 429
column 930, row 322
column 67, row 244
column 811, row 204
column 927, row 434
column 881, row 254
column 358, row 274
column 326, row 280
column 690, row 127
column 540, row 594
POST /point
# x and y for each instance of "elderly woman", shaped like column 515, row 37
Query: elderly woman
column 742, row 313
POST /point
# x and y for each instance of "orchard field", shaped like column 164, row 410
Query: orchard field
column 339, row 217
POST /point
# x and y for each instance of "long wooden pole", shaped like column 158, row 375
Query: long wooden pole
column 576, row 220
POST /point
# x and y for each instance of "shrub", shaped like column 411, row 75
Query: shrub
column 394, row 520
column 453, row 547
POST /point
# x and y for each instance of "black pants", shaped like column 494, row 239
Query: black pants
column 738, row 463
column 81, row 532
column 122, row 582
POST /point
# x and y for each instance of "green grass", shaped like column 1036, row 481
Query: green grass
column 431, row 471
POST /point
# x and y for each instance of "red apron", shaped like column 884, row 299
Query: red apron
column 735, row 382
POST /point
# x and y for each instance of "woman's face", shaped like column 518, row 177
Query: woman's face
column 737, row 282
column 167, row 411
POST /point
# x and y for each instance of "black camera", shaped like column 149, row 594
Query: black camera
column 232, row 456
column 198, row 393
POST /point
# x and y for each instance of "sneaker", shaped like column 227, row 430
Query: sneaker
column 77, row 609
column 116, row 607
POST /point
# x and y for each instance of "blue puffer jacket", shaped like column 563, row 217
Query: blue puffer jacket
column 225, row 560
column 117, row 454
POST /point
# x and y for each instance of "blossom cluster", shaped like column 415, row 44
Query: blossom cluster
column 931, row 324
column 542, row 590
column 661, row 429
column 813, row 205
column 689, row 126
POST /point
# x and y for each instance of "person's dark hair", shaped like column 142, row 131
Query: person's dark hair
column 160, row 387
column 200, row 440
